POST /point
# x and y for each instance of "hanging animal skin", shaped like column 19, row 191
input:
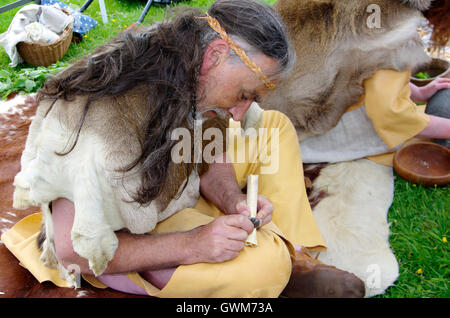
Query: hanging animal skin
column 339, row 44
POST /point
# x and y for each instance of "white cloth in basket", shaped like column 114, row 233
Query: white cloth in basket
column 50, row 17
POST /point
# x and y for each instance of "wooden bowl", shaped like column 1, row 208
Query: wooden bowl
column 436, row 68
column 424, row 163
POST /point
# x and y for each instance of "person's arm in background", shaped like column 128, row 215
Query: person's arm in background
column 438, row 127
column 396, row 118
column 424, row 93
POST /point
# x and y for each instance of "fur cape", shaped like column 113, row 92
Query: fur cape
column 92, row 175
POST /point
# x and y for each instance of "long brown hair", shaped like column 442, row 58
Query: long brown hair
column 439, row 17
column 166, row 59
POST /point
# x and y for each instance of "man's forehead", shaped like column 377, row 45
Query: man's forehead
column 269, row 67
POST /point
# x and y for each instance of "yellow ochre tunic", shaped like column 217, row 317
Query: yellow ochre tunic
column 261, row 271
column 395, row 117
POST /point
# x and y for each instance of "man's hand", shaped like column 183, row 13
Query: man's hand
column 220, row 240
column 264, row 206
column 219, row 186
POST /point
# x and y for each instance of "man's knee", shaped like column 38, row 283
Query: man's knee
column 266, row 272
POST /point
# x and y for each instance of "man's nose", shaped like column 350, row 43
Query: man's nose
column 240, row 109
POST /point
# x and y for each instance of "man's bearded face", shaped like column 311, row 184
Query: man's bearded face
column 231, row 86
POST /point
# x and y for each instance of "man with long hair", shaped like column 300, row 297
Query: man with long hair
column 195, row 64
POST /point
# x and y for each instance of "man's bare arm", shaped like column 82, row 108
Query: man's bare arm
column 219, row 185
column 218, row 241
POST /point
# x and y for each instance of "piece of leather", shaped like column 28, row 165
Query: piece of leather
column 311, row 278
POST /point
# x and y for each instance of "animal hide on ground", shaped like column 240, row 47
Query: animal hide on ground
column 339, row 44
column 350, row 202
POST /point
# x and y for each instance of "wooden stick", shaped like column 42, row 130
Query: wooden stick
column 252, row 202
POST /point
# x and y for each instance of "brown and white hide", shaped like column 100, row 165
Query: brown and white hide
column 92, row 176
column 338, row 45
column 350, row 201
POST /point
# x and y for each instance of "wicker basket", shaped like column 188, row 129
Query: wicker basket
column 46, row 54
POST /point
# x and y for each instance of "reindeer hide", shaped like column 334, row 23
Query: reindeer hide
column 339, row 44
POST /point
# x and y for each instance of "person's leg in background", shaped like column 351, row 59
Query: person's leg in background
column 439, row 105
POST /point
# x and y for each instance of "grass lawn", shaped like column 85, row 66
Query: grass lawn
column 419, row 233
column 419, row 216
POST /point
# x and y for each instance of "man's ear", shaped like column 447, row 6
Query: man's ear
column 216, row 53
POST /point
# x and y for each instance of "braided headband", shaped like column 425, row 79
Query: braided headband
column 214, row 24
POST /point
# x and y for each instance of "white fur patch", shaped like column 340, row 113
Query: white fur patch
column 353, row 221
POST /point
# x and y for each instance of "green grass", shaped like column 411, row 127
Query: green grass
column 419, row 230
column 419, row 215
column 121, row 14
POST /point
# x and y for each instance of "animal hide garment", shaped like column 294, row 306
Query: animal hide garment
column 338, row 45
column 15, row 280
column 92, row 176
column 350, row 201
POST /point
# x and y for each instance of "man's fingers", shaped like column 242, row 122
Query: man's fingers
column 266, row 219
column 235, row 246
column 242, row 208
column 239, row 221
column 237, row 234
column 265, row 209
